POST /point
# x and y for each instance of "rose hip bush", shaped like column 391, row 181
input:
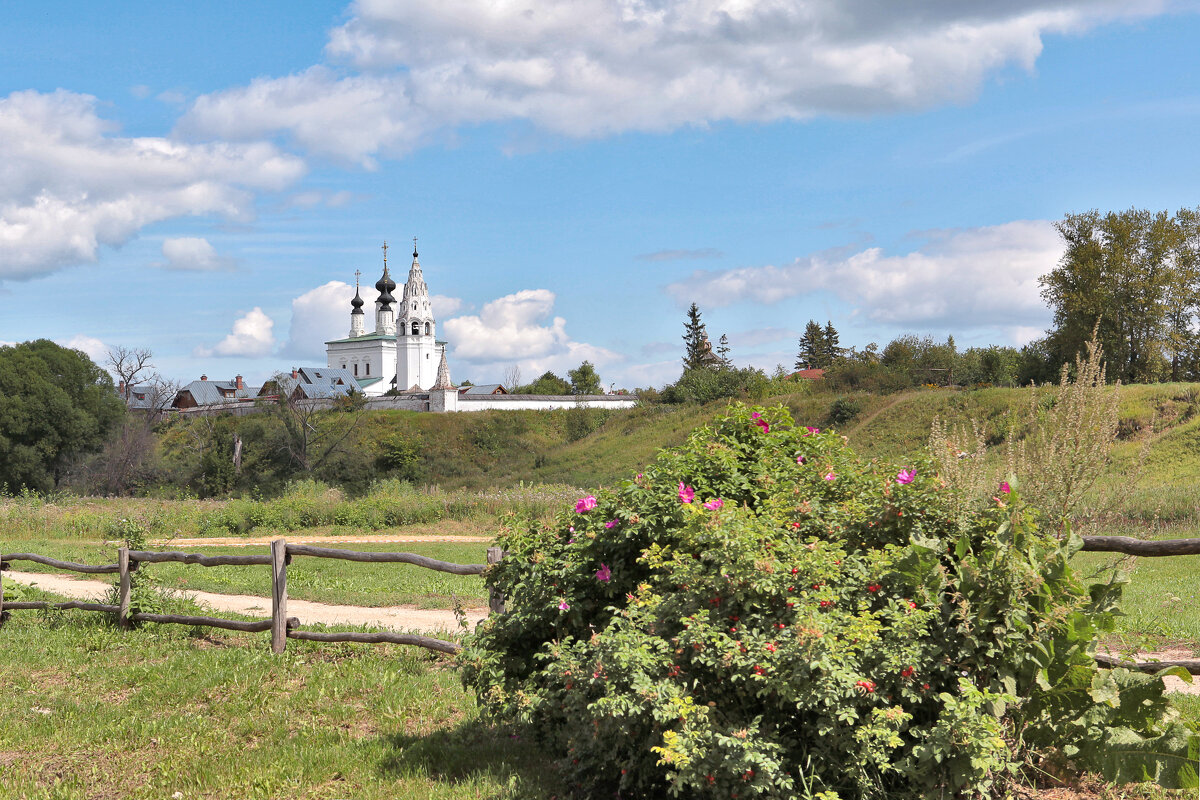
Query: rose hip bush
column 762, row 614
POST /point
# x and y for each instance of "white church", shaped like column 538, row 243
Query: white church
column 402, row 352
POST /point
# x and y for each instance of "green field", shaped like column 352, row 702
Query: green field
column 369, row 721
column 94, row 712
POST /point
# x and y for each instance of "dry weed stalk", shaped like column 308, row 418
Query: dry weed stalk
column 1057, row 446
column 1067, row 443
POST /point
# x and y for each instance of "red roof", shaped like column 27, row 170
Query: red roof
column 810, row 374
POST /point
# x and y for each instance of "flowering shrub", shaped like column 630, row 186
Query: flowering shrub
column 830, row 628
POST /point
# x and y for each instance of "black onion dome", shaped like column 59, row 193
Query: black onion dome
column 357, row 302
column 385, row 285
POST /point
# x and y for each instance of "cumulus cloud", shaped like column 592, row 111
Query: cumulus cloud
column 252, row 337
column 194, row 254
column 69, row 185
column 319, row 315
column 962, row 279
column 95, row 349
column 594, row 67
column 517, row 329
column 445, row 306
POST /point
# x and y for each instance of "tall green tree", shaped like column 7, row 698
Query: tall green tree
column 584, row 379
column 55, row 404
column 723, row 351
column 832, row 351
column 698, row 352
column 814, row 350
column 1132, row 272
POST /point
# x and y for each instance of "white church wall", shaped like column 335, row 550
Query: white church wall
column 539, row 402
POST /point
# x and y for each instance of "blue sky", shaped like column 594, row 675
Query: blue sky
column 204, row 179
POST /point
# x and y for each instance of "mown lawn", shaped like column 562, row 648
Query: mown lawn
column 93, row 712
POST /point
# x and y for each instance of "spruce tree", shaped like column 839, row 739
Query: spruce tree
column 832, row 351
column 812, row 347
column 697, row 350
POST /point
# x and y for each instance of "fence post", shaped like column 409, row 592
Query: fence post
column 495, row 598
column 126, row 586
column 278, row 595
column 3, row 566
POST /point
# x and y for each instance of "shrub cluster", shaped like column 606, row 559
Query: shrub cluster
column 761, row 614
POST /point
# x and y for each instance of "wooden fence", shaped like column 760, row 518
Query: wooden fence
column 281, row 626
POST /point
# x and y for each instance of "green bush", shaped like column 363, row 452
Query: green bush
column 843, row 409
column 761, row 614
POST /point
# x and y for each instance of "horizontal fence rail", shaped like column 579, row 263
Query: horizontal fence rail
column 283, row 627
column 1141, row 547
column 280, row 625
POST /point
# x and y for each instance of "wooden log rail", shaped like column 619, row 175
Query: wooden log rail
column 280, row 625
column 1141, row 547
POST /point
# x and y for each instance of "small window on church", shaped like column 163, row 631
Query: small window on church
column 368, row 367
column 343, row 366
column 426, row 328
column 356, row 370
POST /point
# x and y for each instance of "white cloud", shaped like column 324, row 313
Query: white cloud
column 95, row 349
column 510, row 330
column 252, row 337
column 319, row 315
column 194, row 254
column 445, row 306
column 594, row 67
column 962, row 279
column 68, row 185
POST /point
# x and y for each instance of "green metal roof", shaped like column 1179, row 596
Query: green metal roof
column 365, row 338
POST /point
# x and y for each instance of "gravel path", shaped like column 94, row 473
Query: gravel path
column 397, row 618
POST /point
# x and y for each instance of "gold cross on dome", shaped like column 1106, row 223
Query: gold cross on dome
column 385, row 253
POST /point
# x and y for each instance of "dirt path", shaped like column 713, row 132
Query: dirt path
column 901, row 397
column 398, row 618
column 238, row 541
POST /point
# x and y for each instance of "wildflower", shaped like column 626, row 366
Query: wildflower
column 811, row 429
column 612, row 523
column 908, row 672
column 866, row 687
column 1004, row 487
column 760, row 422
column 604, row 574
column 800, row 459
column 873, row 588
column 905, row 476
column 830, row 475
column 564, row 606
column 585, row 503
column 713, row 505
column 686, row 493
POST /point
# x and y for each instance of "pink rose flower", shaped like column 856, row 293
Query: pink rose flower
column 612, row 523
column 686, row 493
column 830, row 475
column 585, row 503
column 1004, row 487
column 604, row 574
column 905, row 476
column 713, row 505
column 564, row 606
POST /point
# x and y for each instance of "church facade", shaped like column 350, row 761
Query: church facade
column 402, row 353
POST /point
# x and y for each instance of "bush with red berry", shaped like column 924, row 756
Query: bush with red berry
column 762, row 614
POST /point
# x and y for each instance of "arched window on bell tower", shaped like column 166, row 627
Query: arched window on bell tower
column 416, row 329
column 427, row 329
